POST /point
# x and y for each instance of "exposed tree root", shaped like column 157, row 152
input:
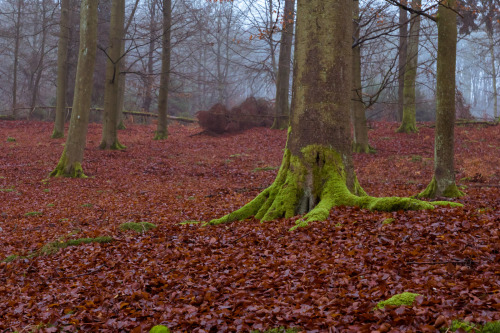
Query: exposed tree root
column 114, row 146
column 407, row 128
column 312, row 185
column 432, row 191
column 362, row 148
column 160, row 135
column 66, row 169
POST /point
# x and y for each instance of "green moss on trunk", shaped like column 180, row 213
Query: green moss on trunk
column 160, row 135
column 312, row 185
column 114, row 146
column 407, row 127
column 432, row 191
column 66, row 169
column 57, row 135
column 362, row 148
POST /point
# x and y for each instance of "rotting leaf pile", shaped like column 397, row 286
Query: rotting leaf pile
column 245, row 275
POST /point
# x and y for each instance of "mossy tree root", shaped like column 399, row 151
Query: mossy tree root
column 362, row 148
column 116, row 145
column 121, row 125
column 313, row 185
column 57, row 135
column 66, row 169
column 160, row 135
column 407, row 128
column 431, row 191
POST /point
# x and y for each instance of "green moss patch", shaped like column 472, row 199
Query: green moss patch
column 388, row 221
column 160, row 329
column 405, row 298
column 33, row 214
column 53, row 247
column 139, row 227
column 190, row 222
column 266, row 168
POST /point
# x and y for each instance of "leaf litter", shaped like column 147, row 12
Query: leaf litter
column 246, row 275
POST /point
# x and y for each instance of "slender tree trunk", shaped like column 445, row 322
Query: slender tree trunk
column 121, row 96
column 146, row 105
column 360, row 137
column 443, row 182
column 17, row 41
column 409, row 123
column 122, row 79
column 41, row 59
column 282, row 110
column 70, row 164
column 493, row 71
column 62, row 70
column 402, row 55
column 317, row 172
column 111, row 93
column 161, row 130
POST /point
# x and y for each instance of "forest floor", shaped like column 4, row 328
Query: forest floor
column 245, row 275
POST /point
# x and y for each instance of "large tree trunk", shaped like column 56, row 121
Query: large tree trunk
column 409, row 123
column 317, row 172
column 62, row 70
column 360, row 137
column 111, row 93
column 402, row 54
column 70, row 164
column 443, row 182
column 282, row 110
column 161, row 130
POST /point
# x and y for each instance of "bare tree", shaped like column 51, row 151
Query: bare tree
column 70, row 164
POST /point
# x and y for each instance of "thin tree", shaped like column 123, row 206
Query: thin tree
column 17, row 42
column 443, row 182
column 161, row 130
column 409, row 123
column 358, row 116
column 282, row 110
column 111, row 93
column 317, row 171
column 70, row 164
column 146, row 104
column 62, row 70
column 402, row 54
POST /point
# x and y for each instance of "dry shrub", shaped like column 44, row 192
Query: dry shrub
column 251, row 113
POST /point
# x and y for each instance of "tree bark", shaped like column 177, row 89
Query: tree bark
column 111, row 93
column 282, row 110
column 70, row 164
column 317, row 172
column 38, row 72
column 493, row 70
column 161, row 130
column 146, row 105
column 409, row 123
column 402, row 54
column 17, row 41
column 358, row 116
column 443, row 182
column 62, row 70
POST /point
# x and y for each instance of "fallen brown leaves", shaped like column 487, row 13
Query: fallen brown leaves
column 245, row 275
